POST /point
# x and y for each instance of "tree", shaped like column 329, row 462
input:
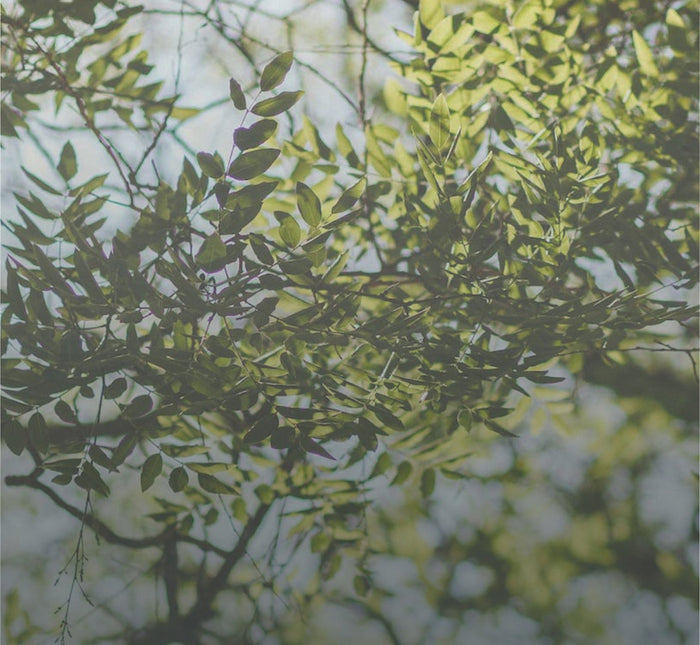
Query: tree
column 266, row 334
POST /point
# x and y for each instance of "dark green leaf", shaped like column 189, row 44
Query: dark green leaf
column 275, row 71
column 309, row 204
column 64, row 412
column 212, row 254
column 236, row 94
column 211, row 165
column 178, row 479
column 38, row 432
column 277, row 104
column 387, row 418
column 309, row 445
column 252, row 164
column 90, row 479
column 67, row 166
column 116, row 388
column 255, row 135
column 427, row 482
column 15, row 436
column 150, row 470
column 141, row 405
column 213, row 485
column 262, row 429
column 261, row 251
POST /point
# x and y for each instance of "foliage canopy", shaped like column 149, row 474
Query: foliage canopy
column 270, row 327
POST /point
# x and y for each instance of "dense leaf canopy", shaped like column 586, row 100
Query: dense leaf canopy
column 296, row 317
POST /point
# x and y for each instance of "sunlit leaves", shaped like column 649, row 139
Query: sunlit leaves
column 290, row 232
column 533, row 186
column 644, row 55
column 440, row 123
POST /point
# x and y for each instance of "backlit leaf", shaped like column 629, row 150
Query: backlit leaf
column 644, row 55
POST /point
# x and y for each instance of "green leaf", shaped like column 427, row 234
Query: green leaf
column 261, row 251
column 251, row 164
column 68, row 165
column 310, row 445
column 178, row 479
column 382, row 465
column 277, row 104
column 13, row 293
column 150, row 470
column 64, row 412
column 116, row 388
column 427, row 482
column 100, row 458
column 282, row 438
column 275, row 71
column 38, row 432
column 213, row 485
column 212, row 254
column 90, row 479
column 255, row 135
column 465, row 419
column 236, row 94
column 141, row 405
column 644, row 55
column 430, row 12
column 387, row 418
column 265, row 494
column 15, row 436
column 290, row 232
column 403, row 472
column 211, row 165
column 309, row 205
column 262, row 429
column 349, row 197
column 440, row 122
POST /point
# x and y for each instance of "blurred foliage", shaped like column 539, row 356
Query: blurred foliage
column 267, row 338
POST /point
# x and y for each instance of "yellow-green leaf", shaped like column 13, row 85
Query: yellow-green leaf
column 644, row 55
